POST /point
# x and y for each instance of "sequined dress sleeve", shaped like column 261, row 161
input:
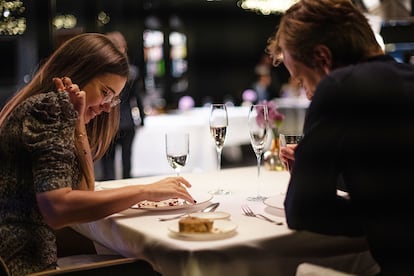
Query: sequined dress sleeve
column 37, row 154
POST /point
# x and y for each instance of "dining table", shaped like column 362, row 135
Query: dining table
column 238, row 245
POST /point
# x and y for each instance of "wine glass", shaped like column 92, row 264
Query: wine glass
column 289, row 140
column 218, row 129
column 258, row 128
column 177, row 149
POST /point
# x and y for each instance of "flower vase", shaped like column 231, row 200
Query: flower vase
column 271, row 157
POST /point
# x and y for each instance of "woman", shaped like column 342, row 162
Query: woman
column 51, row 131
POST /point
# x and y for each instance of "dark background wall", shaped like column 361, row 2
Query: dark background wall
column 224, row 41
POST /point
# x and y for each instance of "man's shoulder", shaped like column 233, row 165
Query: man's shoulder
column 370, row 67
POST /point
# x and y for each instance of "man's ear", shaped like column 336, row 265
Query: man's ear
column 322, row 57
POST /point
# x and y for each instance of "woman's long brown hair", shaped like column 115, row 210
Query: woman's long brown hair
column 81, row 58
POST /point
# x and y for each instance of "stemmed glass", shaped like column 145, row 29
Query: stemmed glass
column 289, row 140
column 177, row 149
column 258, row 127
column 218, row 129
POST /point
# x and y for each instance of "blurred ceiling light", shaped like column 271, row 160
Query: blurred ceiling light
column 65, row 21
column 103, row 18
column 11, row 21
column 266, row 7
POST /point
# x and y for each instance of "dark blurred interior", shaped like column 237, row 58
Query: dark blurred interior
column 221, row 44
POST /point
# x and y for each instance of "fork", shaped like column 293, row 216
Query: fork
column 210, row 208
column 172, row 218
column 248, row 212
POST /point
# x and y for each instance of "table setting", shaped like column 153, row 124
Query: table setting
column 239, row 243
column 236, row 224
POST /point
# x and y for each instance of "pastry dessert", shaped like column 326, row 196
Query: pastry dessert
column 195, row 225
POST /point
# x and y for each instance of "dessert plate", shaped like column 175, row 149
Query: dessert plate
column 275, row 201
column 221, row 229
column 210, row 215
column 172, row 204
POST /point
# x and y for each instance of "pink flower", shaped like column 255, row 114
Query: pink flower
column 274, row 117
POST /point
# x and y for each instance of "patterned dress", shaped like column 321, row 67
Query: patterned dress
column 37, row 154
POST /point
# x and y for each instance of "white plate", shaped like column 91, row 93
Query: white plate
column 169, row 204
column 175, row 203
column 221, row 229
column 211, row 215
column 275, row 201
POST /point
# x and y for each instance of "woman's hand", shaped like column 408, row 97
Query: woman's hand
column 170, row 187
column 77, row 96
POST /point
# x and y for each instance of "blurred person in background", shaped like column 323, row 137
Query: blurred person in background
column 265, row 86
column 132, row 117
column 360, row 111
column 386, row 9
column 267, row 82
column 51, row 132
column 262, row 83
column 292, row 89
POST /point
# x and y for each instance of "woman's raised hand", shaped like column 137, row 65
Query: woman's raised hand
column 77, row 96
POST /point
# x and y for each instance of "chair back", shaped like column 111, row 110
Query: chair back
column 123, row 266
column 3, row 268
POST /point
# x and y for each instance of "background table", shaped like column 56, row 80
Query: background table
column 148, row 154
column 256, row 248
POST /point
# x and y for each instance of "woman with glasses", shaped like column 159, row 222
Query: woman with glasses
column 51, row 132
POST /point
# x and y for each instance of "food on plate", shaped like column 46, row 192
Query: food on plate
column 162, row 203
column 191, row 224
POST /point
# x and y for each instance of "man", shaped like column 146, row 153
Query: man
column 359, row 126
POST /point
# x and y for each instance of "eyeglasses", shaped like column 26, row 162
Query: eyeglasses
column 111, row 99
column 109, row 96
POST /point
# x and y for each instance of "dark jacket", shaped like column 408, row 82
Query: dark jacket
column 360, row 125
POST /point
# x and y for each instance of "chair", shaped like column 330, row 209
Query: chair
column 77, row 256
column 308, row 269
column 4, row 271
column 122, row 266
column 70, row 243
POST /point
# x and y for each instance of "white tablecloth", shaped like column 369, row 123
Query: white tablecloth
column 256, row 248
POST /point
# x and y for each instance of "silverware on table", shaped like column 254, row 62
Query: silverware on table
column 248, row 212
column 209, row 208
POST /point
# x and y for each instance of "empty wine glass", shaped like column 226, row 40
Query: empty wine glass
column 258, row 127
column 218, row 129
column 177, row 149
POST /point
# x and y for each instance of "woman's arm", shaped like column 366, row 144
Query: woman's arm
column 64, row 206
